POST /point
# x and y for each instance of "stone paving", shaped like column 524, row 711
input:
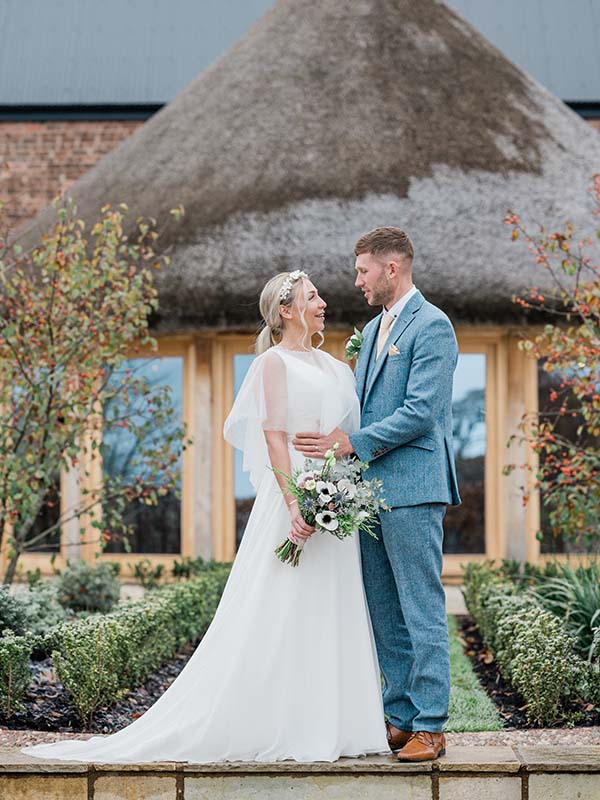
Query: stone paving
column 455, row 601
column 465, row 773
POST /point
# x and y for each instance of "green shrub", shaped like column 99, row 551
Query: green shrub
column 188, row 567
column 523, row 574
column 479, row 581
column 591, row 683
column 498, row 604
column 89, row 587
column 33, row 576
column 12, row 615
column 40, row 606
column 536, row 654
column 90, row 662
column 533, row 649
column 14, row 670
column 574, row 596
column 147, row 573
column 100, row 658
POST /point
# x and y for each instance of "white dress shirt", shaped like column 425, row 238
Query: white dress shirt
column 396, row 309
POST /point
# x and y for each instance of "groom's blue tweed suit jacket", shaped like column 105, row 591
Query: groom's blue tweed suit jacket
column 406, row 402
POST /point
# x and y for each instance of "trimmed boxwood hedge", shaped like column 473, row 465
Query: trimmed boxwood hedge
column 101, row 657
column 14, row 670
column 532, row 647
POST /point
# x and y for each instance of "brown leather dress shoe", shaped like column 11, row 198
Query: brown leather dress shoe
column 423, row 746
column 396, row 738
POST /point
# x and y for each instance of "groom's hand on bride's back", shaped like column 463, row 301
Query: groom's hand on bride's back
column 315, row 445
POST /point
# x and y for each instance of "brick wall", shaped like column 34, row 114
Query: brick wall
column 41, row 159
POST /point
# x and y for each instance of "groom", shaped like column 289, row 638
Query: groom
column 404, row 382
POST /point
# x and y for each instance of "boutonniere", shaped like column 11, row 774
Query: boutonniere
column 354, row 344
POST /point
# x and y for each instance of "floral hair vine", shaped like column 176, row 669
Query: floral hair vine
column 286, row 286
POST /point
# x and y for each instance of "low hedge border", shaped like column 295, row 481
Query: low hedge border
column 532, row 647
column 98, row 659
column 15, row 675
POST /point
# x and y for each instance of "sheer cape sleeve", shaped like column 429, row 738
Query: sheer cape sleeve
column 290, row 393
column 261, row 405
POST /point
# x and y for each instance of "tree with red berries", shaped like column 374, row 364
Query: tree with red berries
column 566, row 433
column 71, row 311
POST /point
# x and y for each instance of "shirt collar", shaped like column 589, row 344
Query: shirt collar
column 396, row 309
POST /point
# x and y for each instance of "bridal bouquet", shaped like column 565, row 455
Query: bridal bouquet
column 334, row 498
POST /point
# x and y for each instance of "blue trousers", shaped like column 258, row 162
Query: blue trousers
column 402, row 577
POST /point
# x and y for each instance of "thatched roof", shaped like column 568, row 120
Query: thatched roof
column 329, row 119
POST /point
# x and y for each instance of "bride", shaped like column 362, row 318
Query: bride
column 287, row 669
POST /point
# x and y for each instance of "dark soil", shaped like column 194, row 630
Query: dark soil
column 48, row 706
column 511, row 706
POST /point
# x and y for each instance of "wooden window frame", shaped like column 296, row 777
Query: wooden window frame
column 88, row 549
column 490, row 342
column 183, row 347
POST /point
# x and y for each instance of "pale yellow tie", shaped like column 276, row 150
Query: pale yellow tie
column 384, row 330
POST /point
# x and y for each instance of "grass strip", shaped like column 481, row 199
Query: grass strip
column 470, row 707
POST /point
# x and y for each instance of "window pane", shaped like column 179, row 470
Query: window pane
column 566, row 427
column 155, row 529
column 48, row 516
column 243, row 489
column 464, row 525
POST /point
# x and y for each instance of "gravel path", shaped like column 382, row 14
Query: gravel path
column 537, row 736
column 531, row 736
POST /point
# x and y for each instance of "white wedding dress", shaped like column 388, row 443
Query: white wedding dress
column 287, row 669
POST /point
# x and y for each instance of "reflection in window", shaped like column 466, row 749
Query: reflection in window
column 155, row 529
column 464, row 525
column 566, row 427
column 243, row 489
column 48, row 516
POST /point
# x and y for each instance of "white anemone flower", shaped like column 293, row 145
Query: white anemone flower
column 326, row 487
column 347, row 487
column 327, row 520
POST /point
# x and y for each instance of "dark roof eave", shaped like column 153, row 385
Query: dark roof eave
column 86, row 112
column 587, row 109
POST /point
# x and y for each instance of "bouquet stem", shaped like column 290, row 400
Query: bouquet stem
column 289, row 552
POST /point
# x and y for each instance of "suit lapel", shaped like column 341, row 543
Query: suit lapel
column 364, row 358
column 398, row 328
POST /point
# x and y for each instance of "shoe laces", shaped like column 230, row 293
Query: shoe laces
column 425, row 737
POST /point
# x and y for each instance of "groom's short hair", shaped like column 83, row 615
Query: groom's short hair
column 382, row 241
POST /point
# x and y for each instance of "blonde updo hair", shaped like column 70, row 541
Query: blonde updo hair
column 269, row 304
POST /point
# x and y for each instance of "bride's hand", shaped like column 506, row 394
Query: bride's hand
column 300, row 528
